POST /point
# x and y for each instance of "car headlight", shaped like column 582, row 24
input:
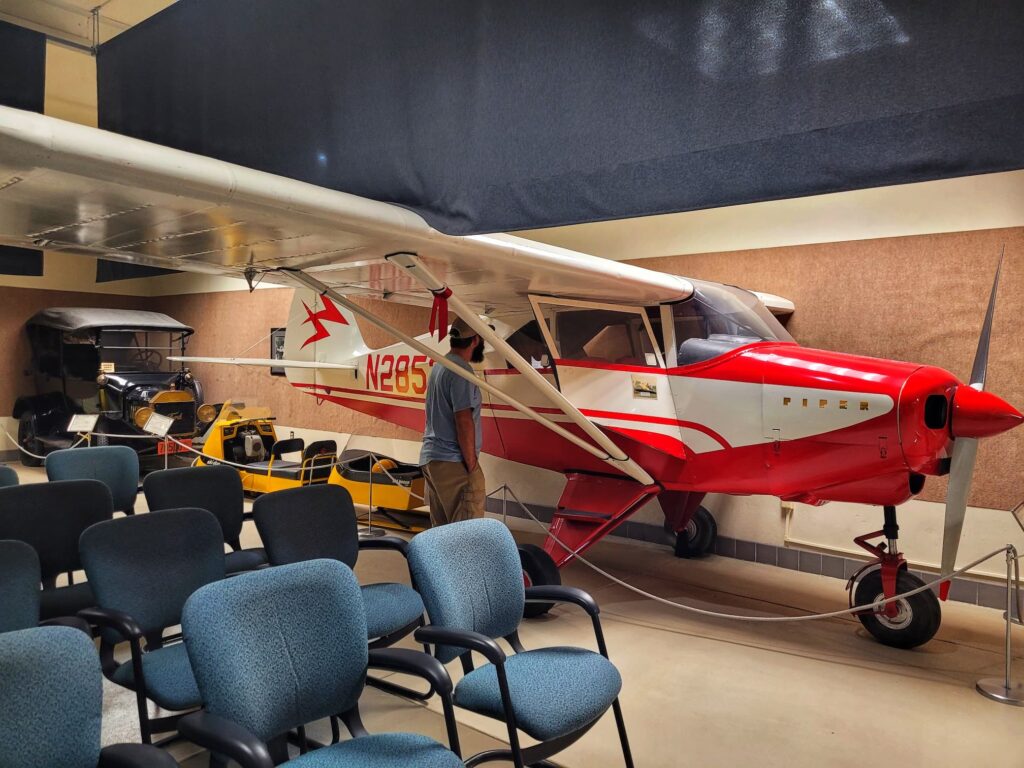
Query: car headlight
column 206, row 413
column 101, row 380
column 142, row 416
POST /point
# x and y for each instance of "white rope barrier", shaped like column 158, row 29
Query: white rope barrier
column 82, row 438
column 873, row 607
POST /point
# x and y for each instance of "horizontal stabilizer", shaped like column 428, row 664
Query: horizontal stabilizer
column 264, row 362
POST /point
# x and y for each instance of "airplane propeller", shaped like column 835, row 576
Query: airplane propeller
column 973, row 411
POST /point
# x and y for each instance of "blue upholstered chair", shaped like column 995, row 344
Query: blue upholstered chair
column 19, row 586
column 19, row 590
column 217, row 489
column 51, row 703
column 142, row 570
column 50, row 517
column 319, row 521
column 8, row 476
column 259, row 685
column 116, row 466
column 471, row 580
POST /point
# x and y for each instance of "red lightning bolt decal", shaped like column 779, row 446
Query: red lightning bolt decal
column 330, row 313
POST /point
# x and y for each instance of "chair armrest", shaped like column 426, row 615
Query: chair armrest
column 415, row 663
column 225, row 737
column 74, row 622
column 462, row 638
column 135, row 756
column 386, row 542
column 111, row 619
column 556, row 593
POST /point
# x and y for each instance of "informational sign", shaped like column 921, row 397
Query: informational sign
column 82, row 423
column 158, row 424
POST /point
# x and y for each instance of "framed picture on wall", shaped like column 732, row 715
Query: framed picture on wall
column 277, row 349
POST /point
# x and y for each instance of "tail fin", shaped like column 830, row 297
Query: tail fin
column 321, row 331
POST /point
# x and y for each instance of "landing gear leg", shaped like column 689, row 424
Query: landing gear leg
column 904, row 623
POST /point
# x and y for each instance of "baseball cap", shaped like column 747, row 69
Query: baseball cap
column 461, row 330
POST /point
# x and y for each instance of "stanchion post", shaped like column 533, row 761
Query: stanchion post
column 1003, row 689
column 370, row 531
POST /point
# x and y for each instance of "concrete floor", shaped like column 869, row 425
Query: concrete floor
column 712, row 692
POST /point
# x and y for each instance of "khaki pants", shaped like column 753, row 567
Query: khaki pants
column 453, row 493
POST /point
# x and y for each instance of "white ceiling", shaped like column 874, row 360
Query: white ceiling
column 71, row 20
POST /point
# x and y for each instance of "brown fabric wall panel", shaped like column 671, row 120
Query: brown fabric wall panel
column 918, row 298
column 17, row 305
column 227, row 323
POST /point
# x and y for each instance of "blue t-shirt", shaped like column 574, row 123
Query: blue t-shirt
column 448, row 393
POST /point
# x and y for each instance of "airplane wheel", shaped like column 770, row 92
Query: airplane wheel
column 538, row 568
column 918, row 618
column 698, row 537
column 27, row 440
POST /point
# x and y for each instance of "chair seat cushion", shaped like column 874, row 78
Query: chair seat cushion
column 555, row 691
column 244, row 560
column 65, row 601
column 383, row 750
column 169, row 679
column 389, row 608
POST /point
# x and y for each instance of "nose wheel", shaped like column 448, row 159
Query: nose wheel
column 904, row 623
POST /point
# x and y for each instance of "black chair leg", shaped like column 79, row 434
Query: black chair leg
column 620, row 723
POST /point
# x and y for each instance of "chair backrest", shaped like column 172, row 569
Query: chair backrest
column 51, row 699
column 318, row 460
column 19, row 586
column 116, row 466
column 308, row 523
column 148, row 565
column 217, row 489
column 291, row 445
column 51, row 517
column 470, row 577
column 8, row 476
column 277, row 648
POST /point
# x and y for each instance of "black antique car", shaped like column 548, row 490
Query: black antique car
column 110, row 362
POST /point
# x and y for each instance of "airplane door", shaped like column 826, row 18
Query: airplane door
column 608, row 363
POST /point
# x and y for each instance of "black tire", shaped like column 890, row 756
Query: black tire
column 27, row 440
column 538, row 569
column 919, row 617
column 698, row 537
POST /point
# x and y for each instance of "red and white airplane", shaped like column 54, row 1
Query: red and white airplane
column 635, row 384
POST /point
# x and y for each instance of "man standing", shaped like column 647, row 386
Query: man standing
column 452, row 437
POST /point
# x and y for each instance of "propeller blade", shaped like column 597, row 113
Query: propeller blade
column 980, row 367
column 965, row 449
column 961, row 472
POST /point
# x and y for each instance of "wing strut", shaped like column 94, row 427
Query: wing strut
column 628, row 466
column 419, row 271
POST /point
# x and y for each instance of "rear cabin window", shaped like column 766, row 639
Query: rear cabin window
column 529, row 342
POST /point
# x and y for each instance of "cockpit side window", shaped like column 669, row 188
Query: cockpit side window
column 592, row 334
column 720, row 318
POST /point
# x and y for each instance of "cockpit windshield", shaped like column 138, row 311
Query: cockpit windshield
column 718, row 318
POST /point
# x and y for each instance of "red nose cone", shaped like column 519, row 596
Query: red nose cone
column 981, row 414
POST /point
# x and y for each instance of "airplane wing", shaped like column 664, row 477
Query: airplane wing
column 261, row 362
column 78, row 189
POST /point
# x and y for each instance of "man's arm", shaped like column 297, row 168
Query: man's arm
column 466, row 431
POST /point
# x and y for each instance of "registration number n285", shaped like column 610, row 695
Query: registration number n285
column 397, row 373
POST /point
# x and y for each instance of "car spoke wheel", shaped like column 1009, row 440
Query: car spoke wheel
column 27, row 440
column 538, row 569
column 917, row 617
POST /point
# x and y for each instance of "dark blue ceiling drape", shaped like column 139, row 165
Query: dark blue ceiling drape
column 486, row 115
column 22, row 85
